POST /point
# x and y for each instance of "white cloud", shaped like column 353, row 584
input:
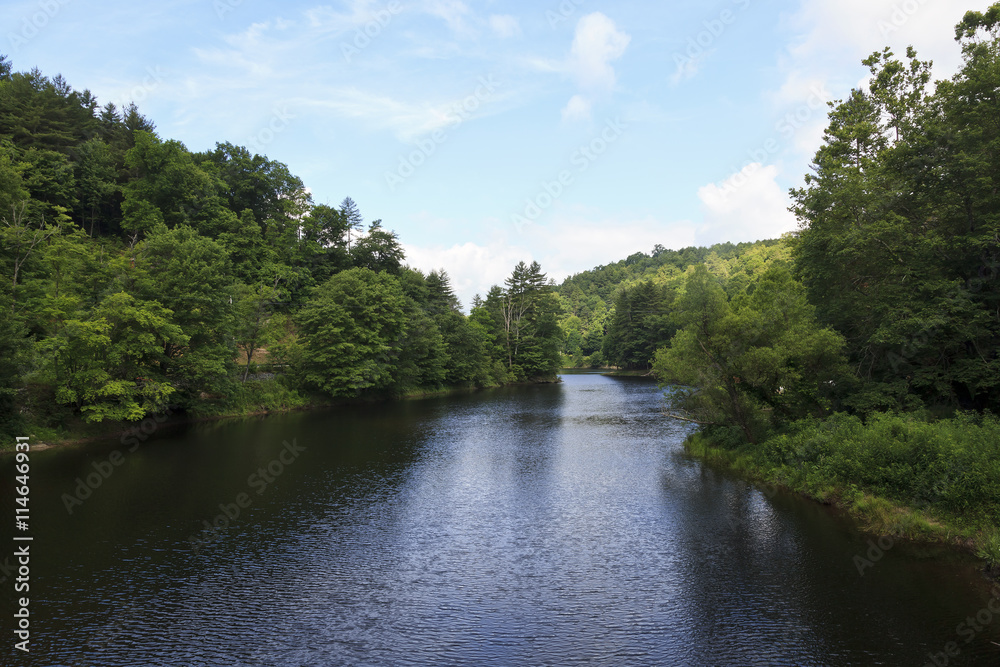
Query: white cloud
column 856, row 28
column 833, row 36
column 453, row 12
column 473, row 268
column 406, row 120
column 545, row 65
column 578, row 108
column 688, row 67
column 578, row 240
column 747, row 206
column 801, row 103
column 829, row 39
column 325, row 19
column 597, row 43
column 574, row 241
column 800, row 87
column 505, row 25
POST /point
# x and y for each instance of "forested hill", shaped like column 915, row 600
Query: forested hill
column 889, row 292
column 605, row 301
column 602, row 281
column 856, row 359
column 136, row 275
column 897, row 257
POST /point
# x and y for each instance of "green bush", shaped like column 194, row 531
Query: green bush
column 951, row 464
column 989, row 548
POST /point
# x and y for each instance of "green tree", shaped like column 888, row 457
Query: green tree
column 42, row 113
column 254, row 324
column 191, row 276
column 98, row 192
column 353, row 220
column 751, row 362
column 641, row 323
column 421, row 353
column 254, row 261
column 324, row 242
column 350, row 331
column 110, row 365
column 15, row 356
column 524, row 314
column 166, row 185
column 469, row 363
column 378, row 250
column 21, row 239
column 899, row 228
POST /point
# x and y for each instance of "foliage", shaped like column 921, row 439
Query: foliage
column 350, row 332
column 522, row 319
column 642, row 320
column 750, row 360
column 900, row 224
column 109, row 365
column 896, row 265
column 950, row 464
column 135, row 272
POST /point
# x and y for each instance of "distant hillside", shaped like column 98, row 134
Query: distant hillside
column 589, row 302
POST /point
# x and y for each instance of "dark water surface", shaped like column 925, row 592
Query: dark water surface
column 551, row 525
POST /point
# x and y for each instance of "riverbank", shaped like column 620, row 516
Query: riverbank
column 618, row 373
column 944, row 501
column 259, row 398
column 547, row 480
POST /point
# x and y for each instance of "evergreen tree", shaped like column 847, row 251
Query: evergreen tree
column 354, row 222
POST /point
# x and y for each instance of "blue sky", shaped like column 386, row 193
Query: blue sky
column 572, row 132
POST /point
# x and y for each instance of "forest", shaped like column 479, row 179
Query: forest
column 138, row 276
column 857, row 358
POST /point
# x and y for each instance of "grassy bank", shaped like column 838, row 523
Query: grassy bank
column 898, row 475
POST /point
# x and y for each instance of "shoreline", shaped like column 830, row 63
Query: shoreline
column 874, row 516
column 122, row 429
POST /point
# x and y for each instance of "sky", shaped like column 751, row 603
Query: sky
column 569, row 132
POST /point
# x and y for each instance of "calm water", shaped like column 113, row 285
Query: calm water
column 553, row 525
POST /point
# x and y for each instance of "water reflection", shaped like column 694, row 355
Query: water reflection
column 532, row 525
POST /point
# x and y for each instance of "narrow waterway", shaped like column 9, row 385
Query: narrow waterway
column 548, row 525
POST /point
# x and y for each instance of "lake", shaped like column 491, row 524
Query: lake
column 541, row 525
